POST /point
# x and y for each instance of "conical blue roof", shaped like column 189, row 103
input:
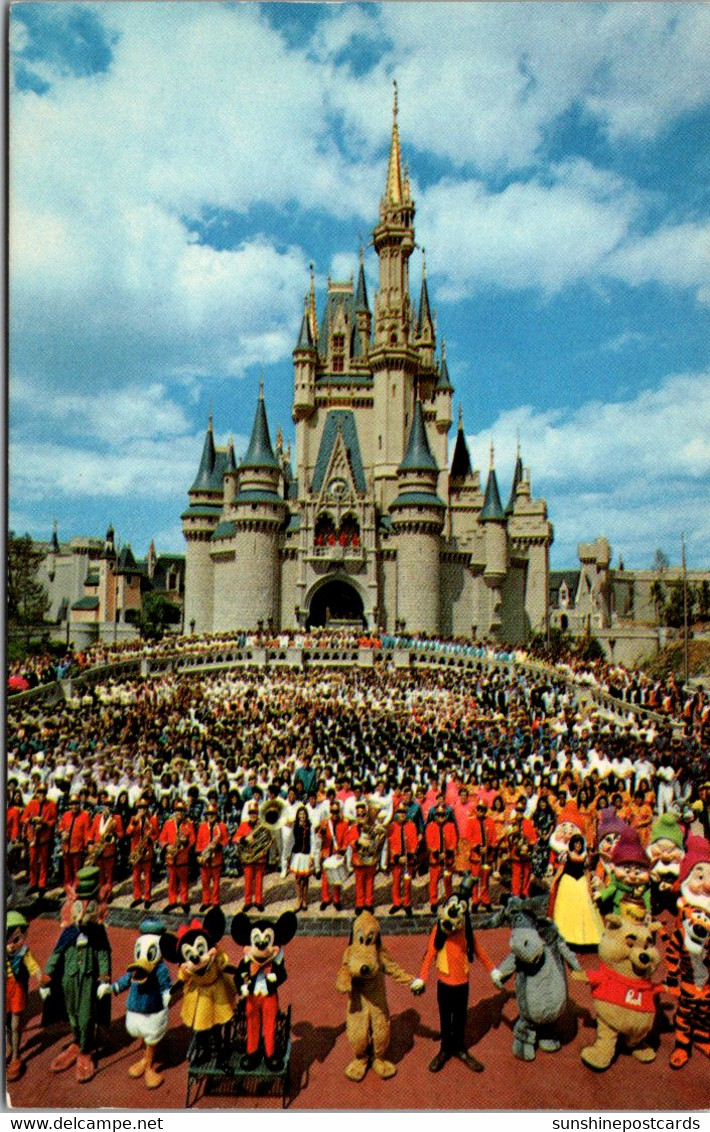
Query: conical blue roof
column 424, row 309
column 492, row 508
column 203, row 480
column 418, row 457
column 361, row 303
column 442, row 381
column 305, row 338
column 260, row 454
column 517, row 478
column 461, row 462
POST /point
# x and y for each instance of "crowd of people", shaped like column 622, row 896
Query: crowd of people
column 335, row 775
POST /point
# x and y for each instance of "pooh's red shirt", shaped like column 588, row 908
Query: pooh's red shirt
column 623, row 990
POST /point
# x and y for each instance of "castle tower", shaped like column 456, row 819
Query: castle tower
column 198, row 524
column 496, row 543
column 393, row 355
column 418, row 519
column 247, row 556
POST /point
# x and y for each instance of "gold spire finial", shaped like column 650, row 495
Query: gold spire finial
column 394, row 109
column 517, row 445
column 393, row 194
column 312, row 308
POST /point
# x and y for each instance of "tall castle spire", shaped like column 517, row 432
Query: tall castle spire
column 393, row 192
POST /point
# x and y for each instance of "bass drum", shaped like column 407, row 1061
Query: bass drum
column 335, row 869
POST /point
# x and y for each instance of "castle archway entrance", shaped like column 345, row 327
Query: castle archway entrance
column 335, row 603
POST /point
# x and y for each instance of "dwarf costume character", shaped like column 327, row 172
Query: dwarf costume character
column 609, row 830
column 20, row 964
column 148, row 983
column 665, row 852
column 259, row 975
column 452, row 948
column 210, row 842
column 482, row 836
column 74, row 828
column 78, row 966
column 402, row 842
column 441, row 837
column 144, row 831
column 105, row 833
column 255, row 867
column 177, row 838
column 694, row 876
column 630, row 876
column 39, row 819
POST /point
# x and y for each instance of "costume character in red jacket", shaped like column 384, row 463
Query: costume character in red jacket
column 259, row 976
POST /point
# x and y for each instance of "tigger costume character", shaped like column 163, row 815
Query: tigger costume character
column 452, row 946
column 688, row 979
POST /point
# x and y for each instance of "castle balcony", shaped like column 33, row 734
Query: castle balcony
column 351, row 557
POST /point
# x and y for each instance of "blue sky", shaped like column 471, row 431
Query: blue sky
column 175, row 168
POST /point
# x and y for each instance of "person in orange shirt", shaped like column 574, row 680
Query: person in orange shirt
column 334, row 842
column 452, row 947
column 441, row 839
column 402, row 841
column 104, row 835
column 212, row 837
column 254, row 871
column 482, row 837
column 522, row 835
column 177, row 837
column 39, row 819
column 360, row 857
column 74, row 830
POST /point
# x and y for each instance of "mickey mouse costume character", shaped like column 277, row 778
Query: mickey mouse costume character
column 259, row 975
column 149, row 984
column 452, row 946
column 210, row 995
column 79, row 964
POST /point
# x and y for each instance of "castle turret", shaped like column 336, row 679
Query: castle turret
column 418, row 519
column 198, row 524
column 496, row 542
column 361, row 344
column 426, row 337
column 245, row 547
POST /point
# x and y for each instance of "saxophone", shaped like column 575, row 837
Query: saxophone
column 108, row 837
column 181, row 840
column 142, row 849
column 205, row 857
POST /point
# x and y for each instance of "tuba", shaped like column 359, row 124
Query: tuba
column 272, row 813
column 256, row 845
column 369, row 843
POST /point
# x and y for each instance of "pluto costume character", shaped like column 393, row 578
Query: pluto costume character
column 148, row 983
column 362, row 977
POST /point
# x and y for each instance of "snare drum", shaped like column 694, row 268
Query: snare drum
column 335, row 869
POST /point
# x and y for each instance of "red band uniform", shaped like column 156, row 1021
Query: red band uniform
column 362, row 866
column 482, row 837
column 39, row 819
column 334, row 840
column 522, row 835
column 177, row 838
column 402, row 841
column 254, row 871
column 212, row 836
column 74, row 829
column 144, row 832
column 104, row 835
column 441, row 838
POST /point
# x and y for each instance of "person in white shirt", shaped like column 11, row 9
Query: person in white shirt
column 291, row 806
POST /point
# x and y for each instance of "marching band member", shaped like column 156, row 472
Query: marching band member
column 254, row 870
column 362, row 856
column 441, row 840
column 482, row 837
column 212, row 837
column 521, row 836
column 39, row 819
column 334, row 842
column 144, row 831
column 402, row 841
column 177, row 837
column 104, row 834
column 74, row 830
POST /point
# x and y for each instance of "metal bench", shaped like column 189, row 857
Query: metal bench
column 224, row 1076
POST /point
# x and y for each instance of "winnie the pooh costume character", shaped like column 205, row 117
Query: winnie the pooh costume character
column 362, row 977
column 624, row 996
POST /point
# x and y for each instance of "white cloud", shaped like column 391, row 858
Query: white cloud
column 636, row 471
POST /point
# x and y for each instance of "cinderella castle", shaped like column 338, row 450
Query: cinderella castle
column 373, row 523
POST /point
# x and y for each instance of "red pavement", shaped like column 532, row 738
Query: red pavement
column 321, row 1052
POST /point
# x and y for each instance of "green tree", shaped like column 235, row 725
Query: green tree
column 659, row 599
column 155, row 615
column 704, row 600
column 660, row 563
column 27, row 599
column 674, row 608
